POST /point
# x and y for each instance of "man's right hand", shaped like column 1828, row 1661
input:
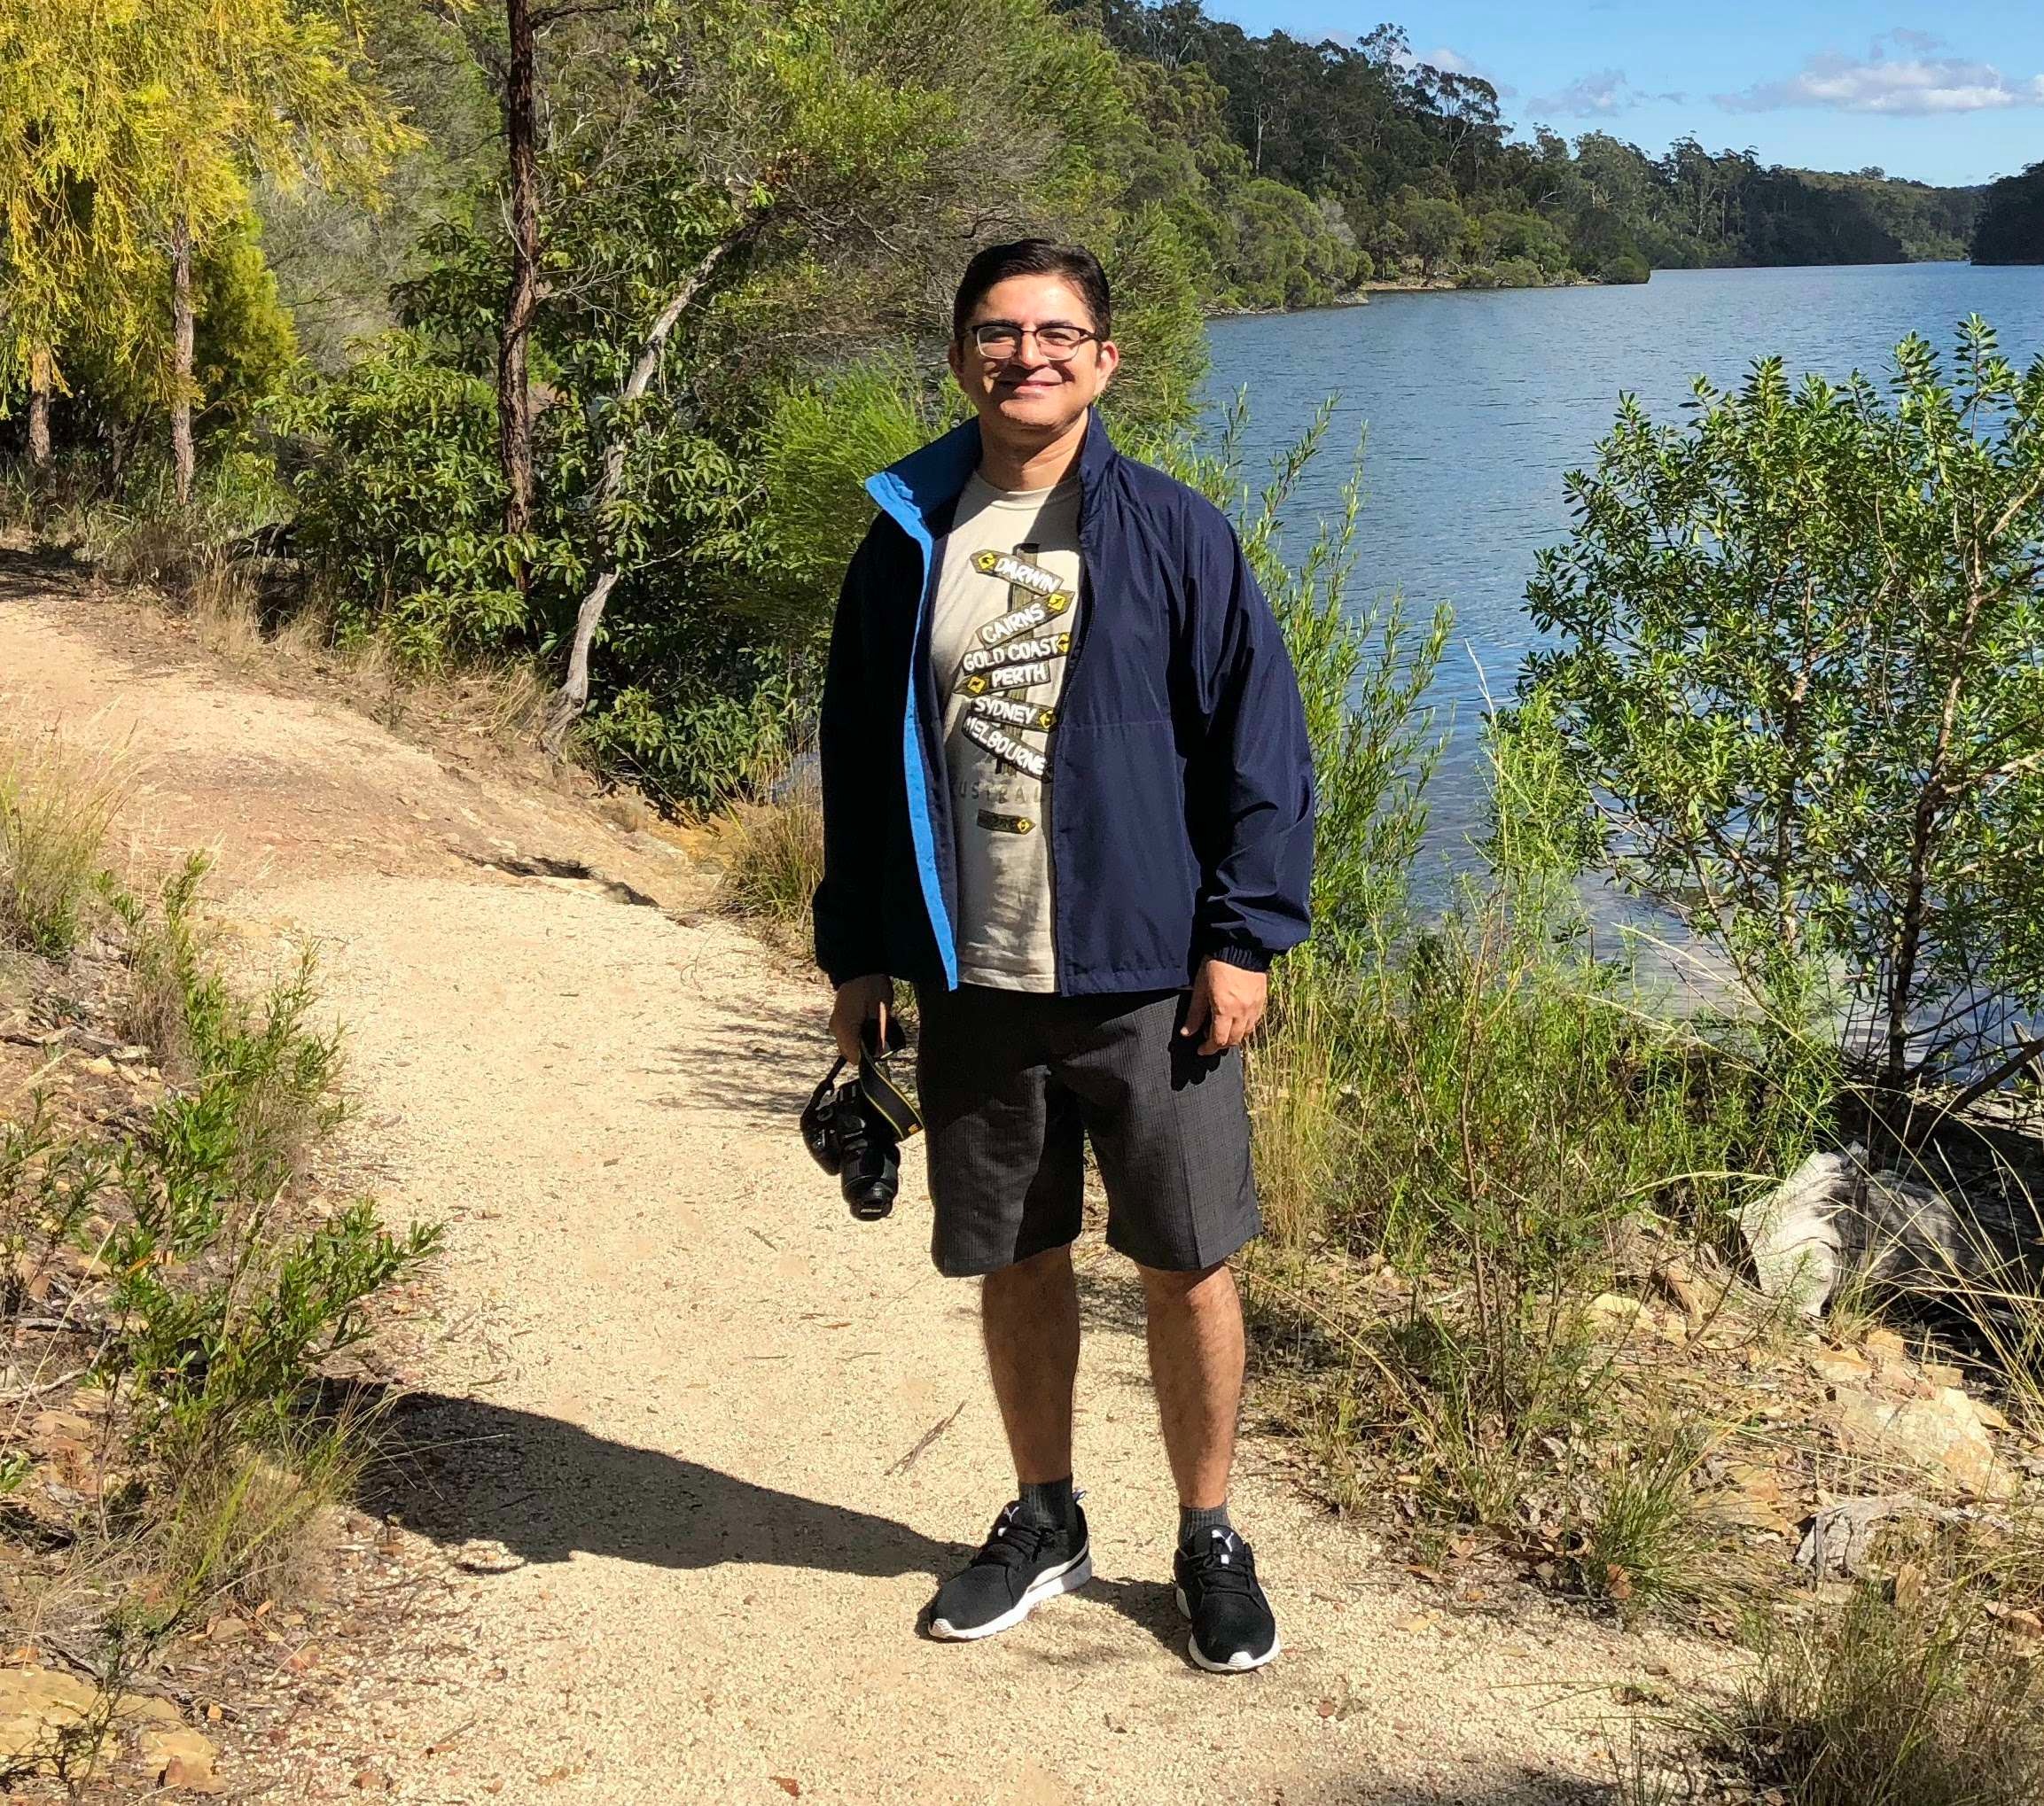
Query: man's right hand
column 859, row 1001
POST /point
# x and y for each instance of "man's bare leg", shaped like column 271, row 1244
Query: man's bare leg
column 1196, row 1346
column 1030, row 1315
column 1195, row 1356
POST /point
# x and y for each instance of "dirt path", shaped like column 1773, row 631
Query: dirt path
column 666, row 1541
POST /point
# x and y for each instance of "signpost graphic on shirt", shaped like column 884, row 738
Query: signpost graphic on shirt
column 1011, row 656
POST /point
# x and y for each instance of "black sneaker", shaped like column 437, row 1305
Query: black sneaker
column 1019, row 1566
column 1232, row 1625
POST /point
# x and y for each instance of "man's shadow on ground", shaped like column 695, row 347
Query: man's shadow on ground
column 461, row 1469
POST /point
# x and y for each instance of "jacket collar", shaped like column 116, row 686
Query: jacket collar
column 918, row 489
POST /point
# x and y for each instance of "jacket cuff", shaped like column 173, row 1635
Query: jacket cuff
column 1250, row 959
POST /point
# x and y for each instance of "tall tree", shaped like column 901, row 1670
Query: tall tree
column 521, row 299
column 224, row 92
column 834, row 150
column 69, row 251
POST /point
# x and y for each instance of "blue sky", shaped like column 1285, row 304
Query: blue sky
column 1952, row 92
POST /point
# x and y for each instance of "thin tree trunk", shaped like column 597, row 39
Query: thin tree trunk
column 573, row 696
column 41, row 379
column 180, row 454
column 1908, row 940
column 513, row 385
column 2029, row 1051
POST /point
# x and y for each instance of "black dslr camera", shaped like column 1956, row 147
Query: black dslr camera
column 856, row 1130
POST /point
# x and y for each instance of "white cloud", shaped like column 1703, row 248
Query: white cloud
column 1901, row 73
column 1450, row 61
column 1599, row 95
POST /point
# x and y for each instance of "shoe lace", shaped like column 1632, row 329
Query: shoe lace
column 1014, row 1541
column 1223, row 1563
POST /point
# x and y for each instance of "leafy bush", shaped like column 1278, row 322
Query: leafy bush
column 1798, row 663
column 399, row 504
column 227, row 1358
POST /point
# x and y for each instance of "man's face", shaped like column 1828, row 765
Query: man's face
column 1026, row 386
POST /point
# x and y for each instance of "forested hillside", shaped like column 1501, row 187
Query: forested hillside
column 553, row 331
column 1413, row 169
column 2011, row 228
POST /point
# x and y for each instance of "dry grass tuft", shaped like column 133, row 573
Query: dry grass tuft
column 258, row 1527
column 225, row 614
column 774, row 854
column 1294, row 1096
column 56, row 805
column 1896, row 1698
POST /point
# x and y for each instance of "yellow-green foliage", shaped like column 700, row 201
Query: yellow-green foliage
column 244, row 341
column 161, row 115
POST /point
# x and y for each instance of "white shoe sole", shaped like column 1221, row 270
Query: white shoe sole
column 1069, row 1578
column 1240, row 1662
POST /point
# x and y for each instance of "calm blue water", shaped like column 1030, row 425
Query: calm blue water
column 1477, row 403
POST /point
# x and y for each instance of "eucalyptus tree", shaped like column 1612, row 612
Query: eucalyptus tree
column 782, row 180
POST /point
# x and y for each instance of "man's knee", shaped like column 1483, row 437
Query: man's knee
column 1166, row 1289
column 1048, row 1270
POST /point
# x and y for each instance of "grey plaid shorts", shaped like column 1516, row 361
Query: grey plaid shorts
column 1012, row 1083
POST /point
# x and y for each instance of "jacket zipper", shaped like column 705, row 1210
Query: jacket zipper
column 1050, row 809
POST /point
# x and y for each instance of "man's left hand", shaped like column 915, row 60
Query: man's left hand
column 1228, row 1002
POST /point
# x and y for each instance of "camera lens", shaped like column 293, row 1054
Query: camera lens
column 872, row 1178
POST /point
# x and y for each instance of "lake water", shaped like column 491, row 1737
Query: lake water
column 1477, row 403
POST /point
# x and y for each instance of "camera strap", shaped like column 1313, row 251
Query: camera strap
column 886, row 1099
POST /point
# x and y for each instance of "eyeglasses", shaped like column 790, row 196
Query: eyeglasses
column 1056, row 343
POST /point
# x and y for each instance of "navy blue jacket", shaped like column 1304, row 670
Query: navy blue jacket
column 1182, row 819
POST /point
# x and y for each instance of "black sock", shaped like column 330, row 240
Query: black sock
column 1196, row 1520
column 1048, row 1502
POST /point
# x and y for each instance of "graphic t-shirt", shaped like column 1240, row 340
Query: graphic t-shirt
column 1006, row 612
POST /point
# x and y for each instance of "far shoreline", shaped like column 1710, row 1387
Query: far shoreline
column 1363, row 292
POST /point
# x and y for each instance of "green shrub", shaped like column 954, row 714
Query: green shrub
column 220, row 1314
column 1793, row 653
column 52, row 1185
column 259, row 1080
column 399, row 504
column 223, row 1353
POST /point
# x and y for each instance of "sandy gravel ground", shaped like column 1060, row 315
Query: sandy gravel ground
column 673, row 1547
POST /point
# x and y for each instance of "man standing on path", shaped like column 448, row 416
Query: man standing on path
column 1067, row 793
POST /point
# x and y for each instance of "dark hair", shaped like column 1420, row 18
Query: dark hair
column 1035, row 257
